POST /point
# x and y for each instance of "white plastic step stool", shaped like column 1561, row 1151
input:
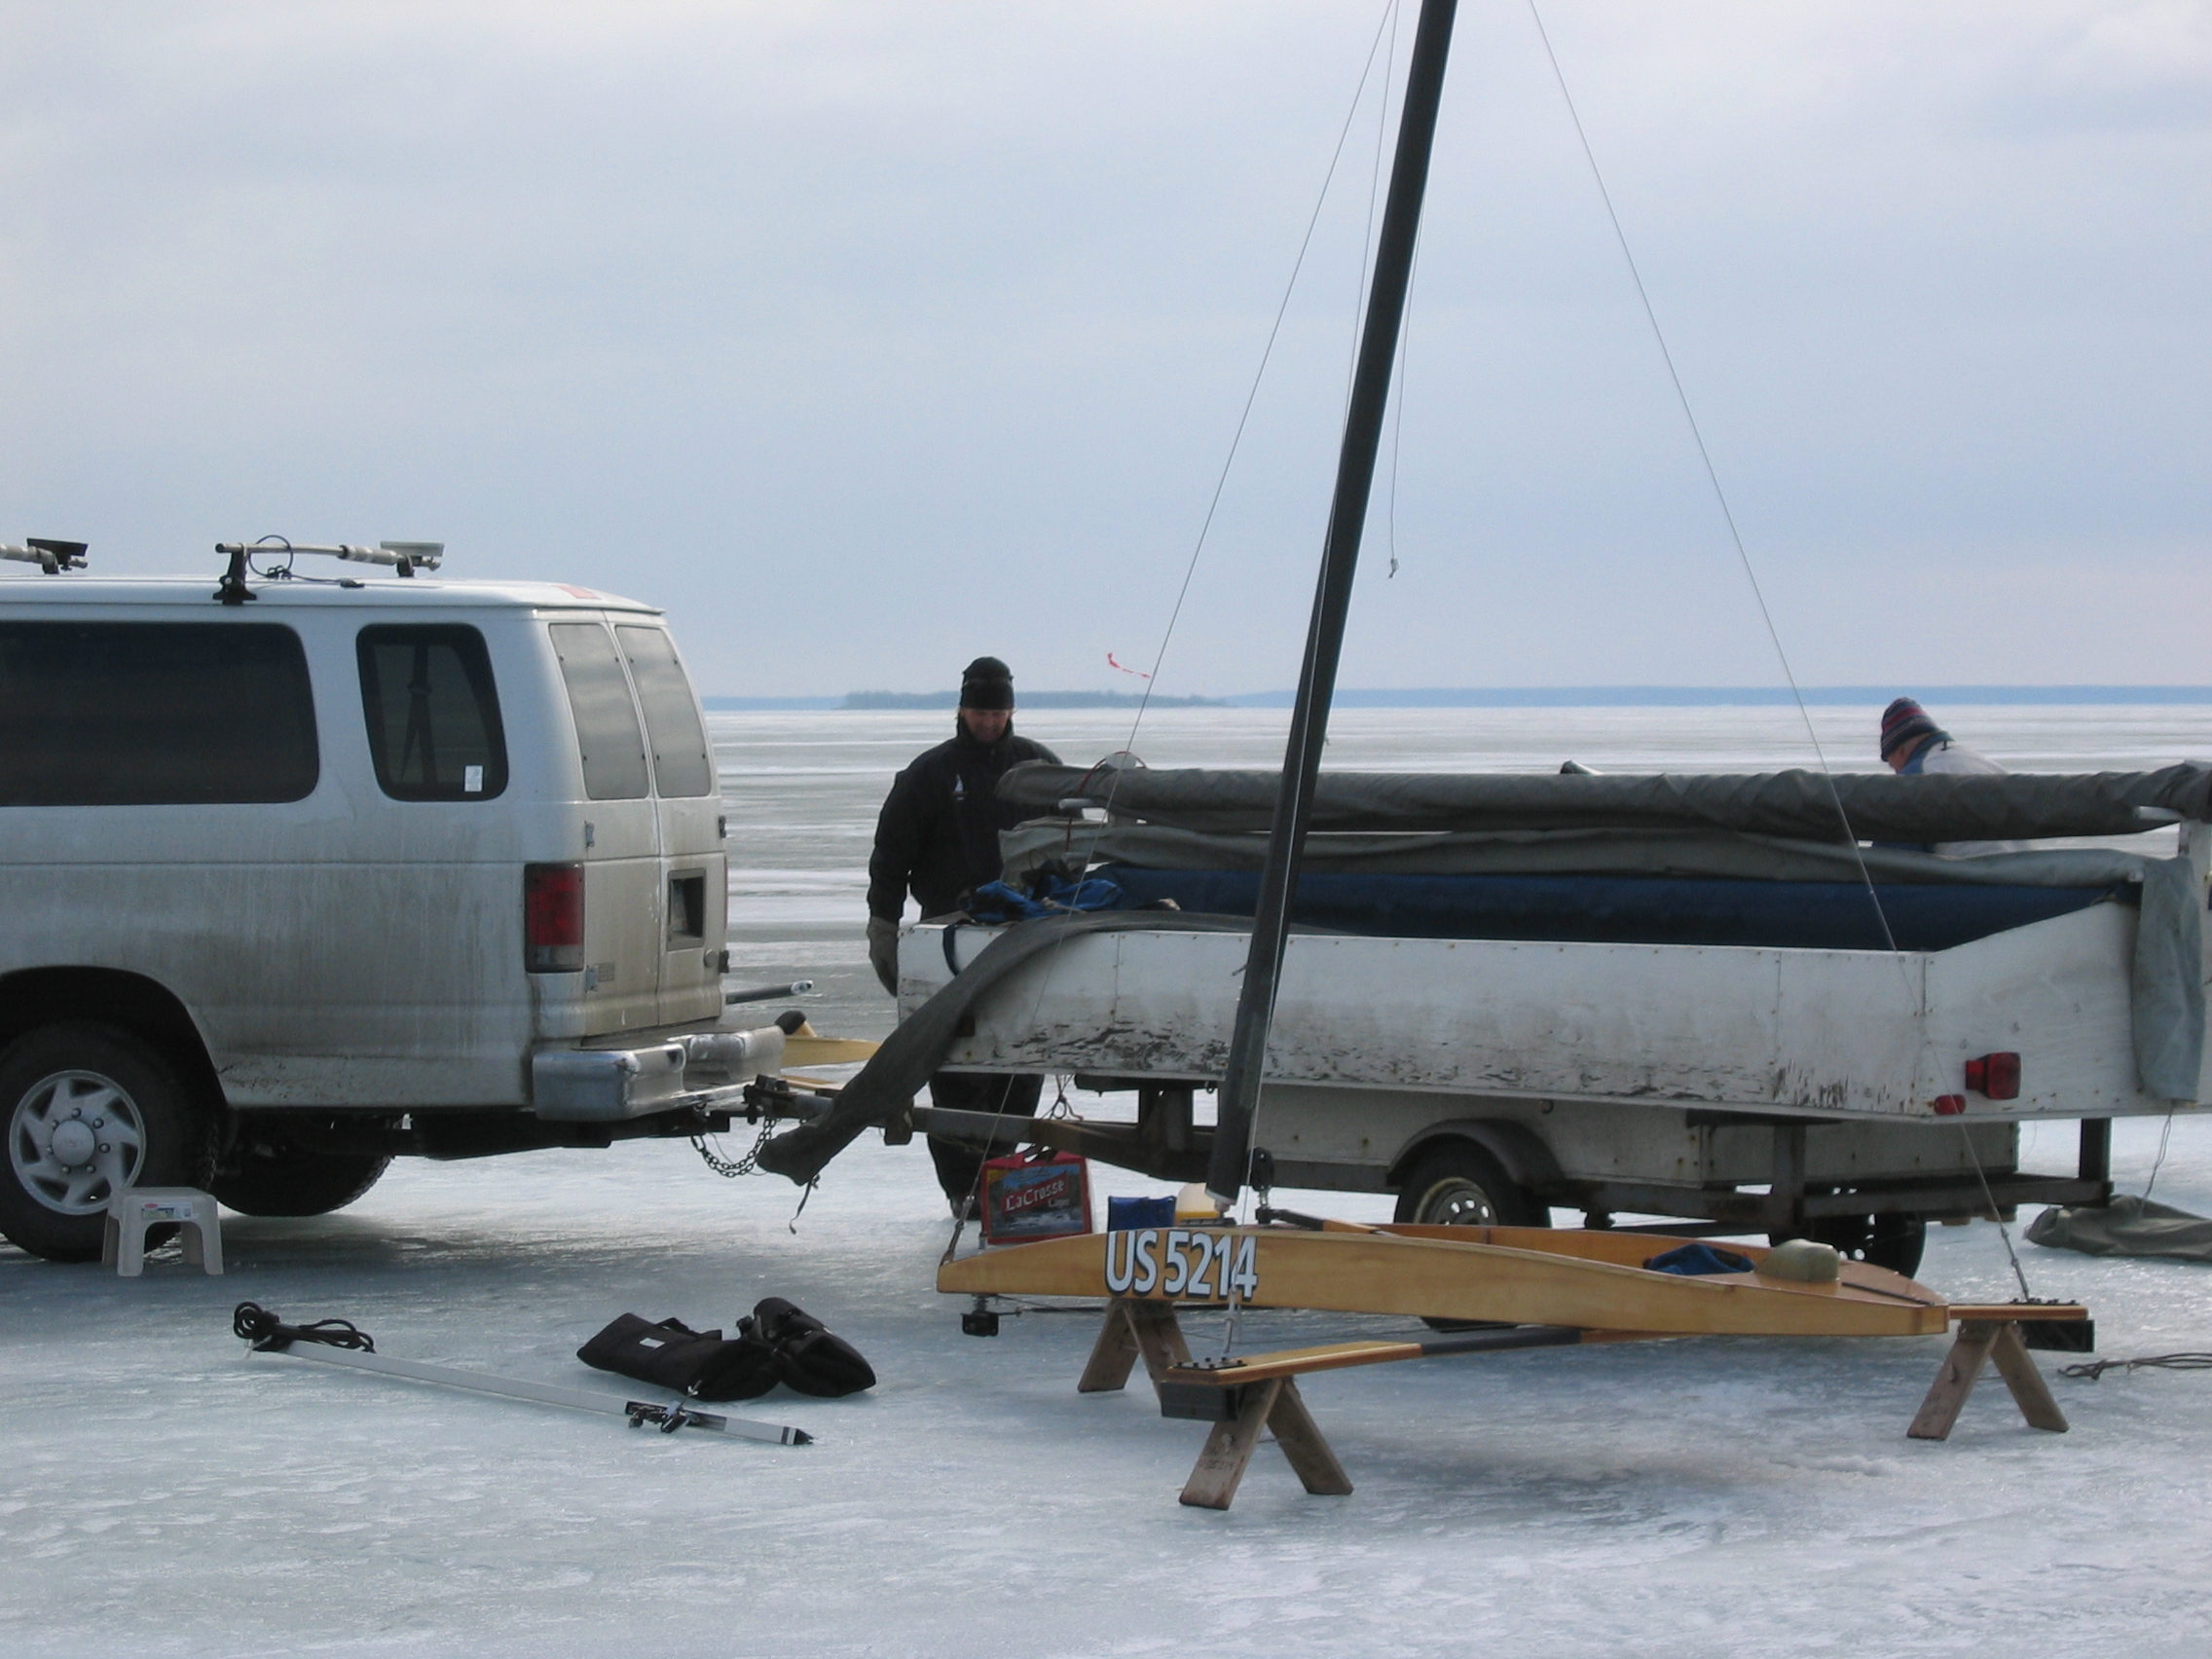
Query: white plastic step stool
column 131, row 1212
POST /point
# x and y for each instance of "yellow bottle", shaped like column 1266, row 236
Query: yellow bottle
column 1195, row 1203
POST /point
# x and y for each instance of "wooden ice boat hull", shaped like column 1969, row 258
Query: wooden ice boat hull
column 1592, row 1280
column 1543, row 1287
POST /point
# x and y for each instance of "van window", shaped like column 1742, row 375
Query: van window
column 432, row 712
column 680, row 766
column 607, row 719
column 154, row 714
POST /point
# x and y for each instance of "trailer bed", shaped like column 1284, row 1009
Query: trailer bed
column 1826, row 1034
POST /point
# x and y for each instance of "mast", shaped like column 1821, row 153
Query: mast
column 1231, row 1158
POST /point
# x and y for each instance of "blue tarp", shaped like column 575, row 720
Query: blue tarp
column 1805, row 915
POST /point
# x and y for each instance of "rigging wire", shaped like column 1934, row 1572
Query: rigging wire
column 1398, row 405
column 2166, row 1134
column 1266, row 354
column 1766, row 615
column 1388, row 20
column 1374, row 191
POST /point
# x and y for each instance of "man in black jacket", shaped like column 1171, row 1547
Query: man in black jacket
column 938, row 837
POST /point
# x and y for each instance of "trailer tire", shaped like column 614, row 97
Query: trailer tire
column 89, row 1111
column 299, row 1183
column 1457, row 1183
column 1891, row 1241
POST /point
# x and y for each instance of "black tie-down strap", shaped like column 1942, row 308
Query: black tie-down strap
column 270, row 1335
column 888, row 1083
column 776, row 1342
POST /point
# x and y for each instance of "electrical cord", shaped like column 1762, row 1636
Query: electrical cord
column 271, row 1335
column 2091, row 1370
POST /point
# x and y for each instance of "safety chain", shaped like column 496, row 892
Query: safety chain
column 746, row 1165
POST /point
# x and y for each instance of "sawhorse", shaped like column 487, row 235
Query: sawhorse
column 1989, row 1334
column 1238, row 1408
column 1241, row 1397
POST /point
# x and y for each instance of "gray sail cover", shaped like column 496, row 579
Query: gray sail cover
column 2128, row 1226
column 1802, row 806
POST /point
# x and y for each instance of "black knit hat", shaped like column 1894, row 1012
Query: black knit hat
column 986, row 683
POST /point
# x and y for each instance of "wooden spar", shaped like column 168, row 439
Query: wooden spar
column 811, row 1051
column 1231, row 1158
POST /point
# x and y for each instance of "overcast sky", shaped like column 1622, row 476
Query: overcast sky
column 866, row 339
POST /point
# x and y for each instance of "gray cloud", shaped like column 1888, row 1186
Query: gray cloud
column 867, row 338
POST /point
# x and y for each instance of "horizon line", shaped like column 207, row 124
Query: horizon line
column 1522, row 696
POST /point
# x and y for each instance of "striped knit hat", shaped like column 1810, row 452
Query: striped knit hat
column 1905, row 722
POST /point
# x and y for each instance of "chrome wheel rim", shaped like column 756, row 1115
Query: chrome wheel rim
column 1456, row 1201
column 76, row 1139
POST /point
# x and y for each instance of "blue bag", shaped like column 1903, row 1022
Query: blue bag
column 1692, row 1261
column 1123, row 1215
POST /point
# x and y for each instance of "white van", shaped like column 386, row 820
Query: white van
column 299, row 874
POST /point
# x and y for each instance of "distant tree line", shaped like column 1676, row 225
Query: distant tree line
column 1028, row 700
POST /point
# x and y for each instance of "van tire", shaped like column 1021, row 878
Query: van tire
column 86, row 1081
column 299, row 1183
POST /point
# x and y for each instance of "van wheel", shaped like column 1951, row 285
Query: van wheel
column 299, row 1183
column 1461, row 1185
column 89, row 1111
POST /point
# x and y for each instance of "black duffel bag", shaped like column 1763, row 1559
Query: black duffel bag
column 777, row 1343
column 809, row 1358
column 703, row 1364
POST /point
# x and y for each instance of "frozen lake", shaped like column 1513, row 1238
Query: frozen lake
column 161, row 1492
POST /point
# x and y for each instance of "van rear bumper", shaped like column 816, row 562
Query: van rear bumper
column 607, row 1085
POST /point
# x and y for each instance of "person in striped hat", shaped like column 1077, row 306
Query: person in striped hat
column 1913, row 744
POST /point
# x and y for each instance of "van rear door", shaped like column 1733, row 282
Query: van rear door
column 695, row 888
column 622, row 861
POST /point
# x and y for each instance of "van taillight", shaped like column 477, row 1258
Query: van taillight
column 553, row 919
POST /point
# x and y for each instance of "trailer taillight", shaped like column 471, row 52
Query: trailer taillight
column 1950, row 1105
column 1997, row 1076
column 553, row 917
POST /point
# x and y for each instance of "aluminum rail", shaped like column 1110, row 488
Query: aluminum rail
column 668, row 1416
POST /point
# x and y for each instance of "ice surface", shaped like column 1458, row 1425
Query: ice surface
column 163, row 1493
column 166, row 1493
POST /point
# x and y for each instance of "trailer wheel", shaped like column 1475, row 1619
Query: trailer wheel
column 1457, row 1184
column 299, row 1183
column 89, row 1111
column 1891, row 1241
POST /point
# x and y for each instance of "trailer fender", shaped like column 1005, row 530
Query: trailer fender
column 1520, row 1148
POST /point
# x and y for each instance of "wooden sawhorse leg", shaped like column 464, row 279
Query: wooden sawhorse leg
column 1131, row 1328
column 1980, row 1342
column 1276, row 1405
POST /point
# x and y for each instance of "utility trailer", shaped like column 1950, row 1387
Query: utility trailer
column 1657, row 996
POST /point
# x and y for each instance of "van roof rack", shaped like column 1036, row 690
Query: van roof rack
column 51, row 555
column 405, row 557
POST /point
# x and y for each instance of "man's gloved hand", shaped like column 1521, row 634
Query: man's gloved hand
column 883, row 951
